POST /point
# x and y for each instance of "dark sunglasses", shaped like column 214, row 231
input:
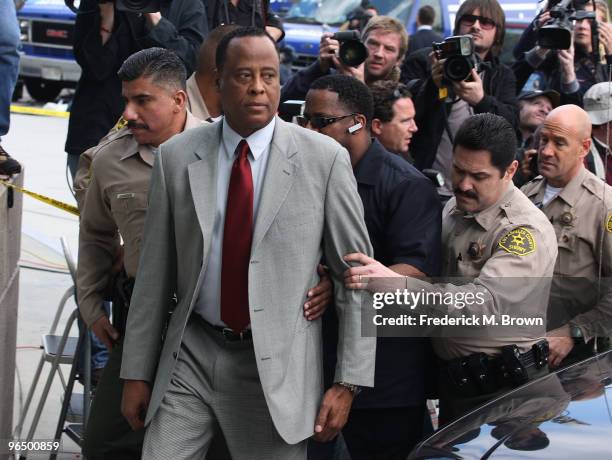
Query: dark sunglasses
column 470, row 20
column 318, row 121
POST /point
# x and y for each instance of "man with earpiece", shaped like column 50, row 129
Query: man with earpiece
column 403, row 217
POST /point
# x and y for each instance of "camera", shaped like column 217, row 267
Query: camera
column 352, row 52
column 460, row 57
column 557, row 32
column 358, row 19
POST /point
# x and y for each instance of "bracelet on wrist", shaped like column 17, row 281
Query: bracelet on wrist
column 104, row 29
column 350, row 387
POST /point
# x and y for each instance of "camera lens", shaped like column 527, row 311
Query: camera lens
column 554, row 37
column 352, row 53
column 457, row 68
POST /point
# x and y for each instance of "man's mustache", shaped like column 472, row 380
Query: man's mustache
column 133, row 124
column 468, row 193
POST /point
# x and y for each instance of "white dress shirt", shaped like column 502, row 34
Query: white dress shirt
column 208, row 304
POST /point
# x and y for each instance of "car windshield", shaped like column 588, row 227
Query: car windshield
column 335, row 11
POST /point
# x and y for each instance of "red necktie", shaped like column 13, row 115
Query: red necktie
column 236, row 250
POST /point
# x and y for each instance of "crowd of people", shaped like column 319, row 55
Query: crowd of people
column 226, row 255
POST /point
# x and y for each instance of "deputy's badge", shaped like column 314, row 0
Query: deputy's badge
column 121, row 123
column 518, row 241
column 609, row 223
column 475, row 250
column 567, row 218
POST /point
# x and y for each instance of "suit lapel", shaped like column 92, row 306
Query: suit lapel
column 280, row 174
column 203, row 181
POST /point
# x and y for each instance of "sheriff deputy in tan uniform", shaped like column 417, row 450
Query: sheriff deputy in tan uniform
column 579, row 205
column 203, row 103
column 493, row 234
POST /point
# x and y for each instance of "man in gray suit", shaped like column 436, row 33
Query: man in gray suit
column 240, row 212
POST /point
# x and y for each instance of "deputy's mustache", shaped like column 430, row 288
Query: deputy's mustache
column 133, row 124
column 467, row 193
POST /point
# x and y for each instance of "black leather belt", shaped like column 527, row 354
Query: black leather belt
column 228, row 334
column 231, row 336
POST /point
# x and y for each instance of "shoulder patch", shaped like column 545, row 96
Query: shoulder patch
column 518, row 241
column 609, row 223
column 121, row 123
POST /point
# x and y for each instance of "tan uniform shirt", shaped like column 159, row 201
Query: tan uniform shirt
column 195, row 102
column 498, row 249
column 83, row 174
column 115, row 203
column 581, row 215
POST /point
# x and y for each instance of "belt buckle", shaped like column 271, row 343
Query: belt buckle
column 228, row 334
column 232, row 336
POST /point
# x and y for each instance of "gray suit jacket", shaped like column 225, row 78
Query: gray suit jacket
column 309, row 208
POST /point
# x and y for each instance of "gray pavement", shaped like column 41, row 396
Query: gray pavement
column 38, row 143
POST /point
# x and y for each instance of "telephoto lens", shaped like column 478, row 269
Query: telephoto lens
column 352, row 52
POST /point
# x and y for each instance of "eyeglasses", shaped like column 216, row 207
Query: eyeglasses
column 319, row 121
column 470, row 20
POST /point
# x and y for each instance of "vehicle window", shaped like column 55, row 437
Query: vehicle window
column 334, row 12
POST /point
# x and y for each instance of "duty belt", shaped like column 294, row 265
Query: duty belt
column 480, row 374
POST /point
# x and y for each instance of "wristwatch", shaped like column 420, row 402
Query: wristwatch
column 355, row 389
column 575, row 331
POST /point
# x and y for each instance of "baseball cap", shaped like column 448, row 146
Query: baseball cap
column 597, row 102
column 549, row 93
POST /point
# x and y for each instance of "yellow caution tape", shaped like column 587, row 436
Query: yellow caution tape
column 45, row 199
column 38, row 111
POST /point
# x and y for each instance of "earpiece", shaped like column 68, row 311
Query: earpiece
column 353, row 129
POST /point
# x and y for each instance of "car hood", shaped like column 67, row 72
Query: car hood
column 565, row 415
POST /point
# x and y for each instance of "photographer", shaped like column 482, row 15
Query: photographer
column 359, row 17
column 534, row 106
column 569, row 71
column 386, row 41
column 490, row 87
column 104, row 37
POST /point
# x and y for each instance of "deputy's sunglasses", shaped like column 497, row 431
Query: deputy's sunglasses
column 470, row 20
column 319, row 121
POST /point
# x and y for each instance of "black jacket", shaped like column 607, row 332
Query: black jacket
column 247, row 13
column 403, row 215
column 299, row 83
column 97, row 103
column 500, row 98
